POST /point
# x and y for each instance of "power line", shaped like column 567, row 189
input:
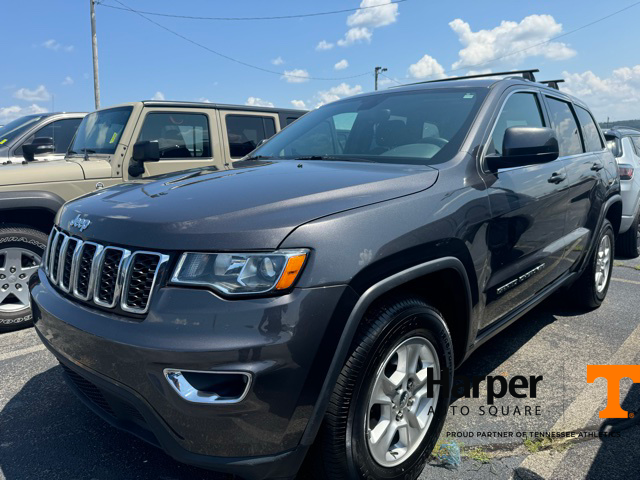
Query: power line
column 280, row 17
column 515, row 52
column 235, row 60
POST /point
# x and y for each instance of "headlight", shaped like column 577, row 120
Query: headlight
column 241, row 273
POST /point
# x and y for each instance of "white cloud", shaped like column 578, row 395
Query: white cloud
column 67, row 80
column 341, row 65
column 363, row 22
column 299, row 104
column 356, row 35
column 39, row 94
column 336, row 93
column 324, row 45
column 296, row 75
column 380, row 16
column 277, row 61
column 158, row 96
column 52, row 44
column 616, row 96
column 427, row 66
column 204, row 100
column 485, row 45
column 8, row 114
column 258, row 102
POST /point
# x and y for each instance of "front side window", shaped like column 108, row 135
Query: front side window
column 590, row 132
column 245, row 132
column 520, row 110
column 61, row 131
column 100, row 132
column 564, row 123
column 422, row 127
column 179, row 135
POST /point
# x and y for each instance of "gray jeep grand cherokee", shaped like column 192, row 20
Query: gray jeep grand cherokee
column 292, row 310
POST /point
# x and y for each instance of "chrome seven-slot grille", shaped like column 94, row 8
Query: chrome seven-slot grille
column 104, row 275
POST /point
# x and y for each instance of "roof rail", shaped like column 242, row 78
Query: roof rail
column 552, row 83
column 526, row 74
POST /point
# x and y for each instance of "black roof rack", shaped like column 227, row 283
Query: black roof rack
column 552, row 83
column 526, row 74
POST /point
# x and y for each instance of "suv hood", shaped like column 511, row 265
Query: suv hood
column 254, row 206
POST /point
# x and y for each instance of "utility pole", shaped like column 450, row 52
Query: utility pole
column 377, row 71
column 94, row 48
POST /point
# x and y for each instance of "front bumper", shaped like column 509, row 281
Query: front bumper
column 117, row 364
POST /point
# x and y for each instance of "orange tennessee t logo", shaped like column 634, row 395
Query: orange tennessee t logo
column 613, row 374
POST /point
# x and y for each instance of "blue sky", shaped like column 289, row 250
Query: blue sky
column 47, row 59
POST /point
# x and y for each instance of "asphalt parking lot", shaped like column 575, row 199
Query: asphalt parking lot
column 45, row 432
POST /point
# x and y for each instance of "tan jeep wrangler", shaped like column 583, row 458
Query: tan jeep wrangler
column 111, row 146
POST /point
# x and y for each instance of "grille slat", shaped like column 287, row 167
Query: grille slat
column 104, row 275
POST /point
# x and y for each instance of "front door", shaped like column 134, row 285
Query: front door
column 528, row 214
column 61, row 131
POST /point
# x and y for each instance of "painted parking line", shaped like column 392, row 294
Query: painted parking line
column 22, row 351
column 625, row 280
column 583, row 408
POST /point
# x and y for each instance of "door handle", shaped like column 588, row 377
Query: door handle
column 557, row 178
column 596, row 167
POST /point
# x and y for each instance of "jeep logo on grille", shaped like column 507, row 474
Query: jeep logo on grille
column 80, row 223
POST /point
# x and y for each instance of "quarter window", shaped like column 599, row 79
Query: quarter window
column 245, row 132
column 520, row 110
column 179, row 135
column 564, row 123
column 590, row 132
column 61, row 131
column 636, row 144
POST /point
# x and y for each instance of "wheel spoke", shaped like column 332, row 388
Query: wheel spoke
column 12, row 258
column 413, row 355
column 22, row 295
column 28, row 271
column 3, row 295
column 383, row 443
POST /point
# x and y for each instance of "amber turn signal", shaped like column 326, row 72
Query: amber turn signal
column 291, row 271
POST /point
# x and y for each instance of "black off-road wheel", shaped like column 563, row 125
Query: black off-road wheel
column 21, row 251
column 628, row 244
column 381, row 423
column 591, row 288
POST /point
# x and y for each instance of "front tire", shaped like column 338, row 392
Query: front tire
column 381, row 424
column 21, row 251
column 591, row 288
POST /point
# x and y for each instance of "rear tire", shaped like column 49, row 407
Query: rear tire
column 591, row 288
column 628, row 243
column 21, row 251
column 381, row 397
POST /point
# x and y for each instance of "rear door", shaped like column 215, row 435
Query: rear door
column 243, row 131
column 186, row 139
column 581, row 147
column 528, row 210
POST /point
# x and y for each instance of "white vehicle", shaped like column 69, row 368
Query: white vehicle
column 624, row 142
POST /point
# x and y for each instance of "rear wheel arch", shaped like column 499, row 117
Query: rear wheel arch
column 614, row 212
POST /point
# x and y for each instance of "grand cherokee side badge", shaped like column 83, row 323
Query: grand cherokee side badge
column 80, row 223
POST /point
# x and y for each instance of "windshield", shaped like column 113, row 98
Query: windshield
column 100, row 131
column 16, row 128
column 418, row 127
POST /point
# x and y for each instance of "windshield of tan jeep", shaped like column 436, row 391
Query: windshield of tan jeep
column 100, row 131
column 415, row 127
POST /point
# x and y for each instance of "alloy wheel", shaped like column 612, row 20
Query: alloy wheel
column 603, row 262
column 17, row 265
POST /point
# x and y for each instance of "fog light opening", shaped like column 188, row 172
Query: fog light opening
column 209, row 387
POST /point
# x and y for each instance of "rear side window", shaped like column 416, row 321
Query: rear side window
column 564, row 123
column 592, row 140
column 179, row 135
column 636, row 144
column 520, row 110
column 245, row 132
column 61, row 131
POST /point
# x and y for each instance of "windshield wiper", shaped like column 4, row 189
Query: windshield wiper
column 259, row 157
column 337, row 159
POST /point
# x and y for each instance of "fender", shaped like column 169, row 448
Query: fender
column 31, row 199
column 364, row 302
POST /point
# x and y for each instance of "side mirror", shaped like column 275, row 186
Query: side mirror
column 525, row 146
column 38, row 146
column 144, row 151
